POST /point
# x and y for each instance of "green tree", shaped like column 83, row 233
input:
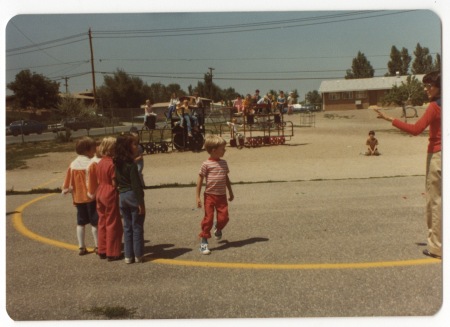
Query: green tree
column 411, row 92
column 313, row 97
column 173, row 88
column 68, row 106
column 395, row 64
column 228, row 94
column 157, row 93
column 34, row 90
column 423, row 62
column 406, row 60
column 273, row 92
column 123, row 91
column 437, row 62
column 361, row 67
column 207, row 89
column 399, row 62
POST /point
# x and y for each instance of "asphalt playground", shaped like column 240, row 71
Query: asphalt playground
column 298, row 247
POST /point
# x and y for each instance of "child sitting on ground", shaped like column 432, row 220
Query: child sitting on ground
column 372, row 145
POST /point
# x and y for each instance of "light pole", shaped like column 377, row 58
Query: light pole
column 211, row 86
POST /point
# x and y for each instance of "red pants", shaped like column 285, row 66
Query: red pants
column 109, row 227
column 218, row 203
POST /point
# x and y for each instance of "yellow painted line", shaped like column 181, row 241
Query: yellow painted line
column 300, row 266
column 18, row 224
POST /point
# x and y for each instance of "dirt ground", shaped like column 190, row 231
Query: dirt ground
column 332, row 149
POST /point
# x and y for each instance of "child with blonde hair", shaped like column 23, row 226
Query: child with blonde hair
column 215, row 172
column 110, row 228
column 76, row 182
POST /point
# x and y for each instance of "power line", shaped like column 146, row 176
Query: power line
column 22, row 50
column 69, row 76
column 235, row 59
column 242, row 25
column 41, row 49
column 222, row 78
column 46, row 42
column 198, row 31
column 20, row 31
column 51, row 65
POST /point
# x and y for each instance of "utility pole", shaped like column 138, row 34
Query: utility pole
column 92, row 68
column 211, row 87
column 66, row 84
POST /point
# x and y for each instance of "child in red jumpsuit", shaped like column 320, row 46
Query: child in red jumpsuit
column 110, row 230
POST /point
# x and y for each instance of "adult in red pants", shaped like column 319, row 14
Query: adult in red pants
column 433, row 176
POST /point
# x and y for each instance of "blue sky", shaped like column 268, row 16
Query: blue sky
column 269, row 56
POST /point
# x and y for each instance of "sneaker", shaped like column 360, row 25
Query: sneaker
column 139, row 259
column 218, row 234
column 83, row 251
column 129, row 260
column 204, row 248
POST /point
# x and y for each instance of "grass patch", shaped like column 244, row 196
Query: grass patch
column 34, row 191
column 17, row 154
column 172, row 185
column 112, row 312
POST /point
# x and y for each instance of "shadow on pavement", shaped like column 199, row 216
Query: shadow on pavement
column 237, row 244
column 163, row 251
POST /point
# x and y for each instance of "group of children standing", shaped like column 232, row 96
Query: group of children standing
column 107, row 186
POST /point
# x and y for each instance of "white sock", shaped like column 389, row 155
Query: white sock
column 94, row 233
column 80, row 236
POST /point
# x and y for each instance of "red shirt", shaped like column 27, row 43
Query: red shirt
column 432, row 118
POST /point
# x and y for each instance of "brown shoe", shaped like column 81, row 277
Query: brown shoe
column 83, row 251
column 115, row 258
column 428, row 253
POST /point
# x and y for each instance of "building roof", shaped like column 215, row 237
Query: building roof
column 363, row 84
column 79, row 96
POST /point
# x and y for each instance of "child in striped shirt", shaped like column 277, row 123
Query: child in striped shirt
column 215, row 172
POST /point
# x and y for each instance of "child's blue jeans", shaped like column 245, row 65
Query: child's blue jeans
column 133, row 225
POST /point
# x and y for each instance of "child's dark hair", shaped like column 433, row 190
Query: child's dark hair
column 123, row 152
column 371, row 132
column 84, row 145
column 433, row 78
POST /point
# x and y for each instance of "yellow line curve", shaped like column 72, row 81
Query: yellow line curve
column 19, row 226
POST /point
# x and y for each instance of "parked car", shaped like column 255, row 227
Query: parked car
column 56, row 127
column 82, row 123
column 306, row 107
column 75, row 124
column 26, row 127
